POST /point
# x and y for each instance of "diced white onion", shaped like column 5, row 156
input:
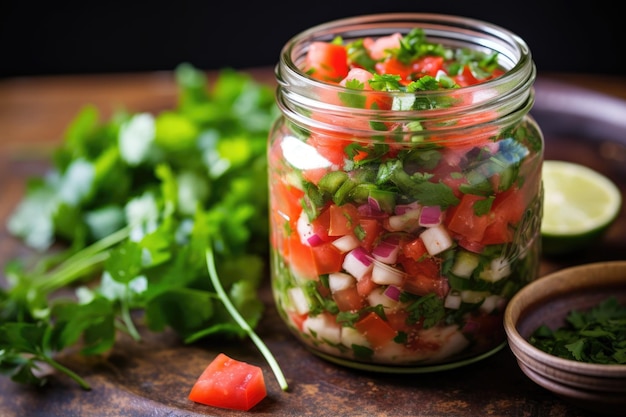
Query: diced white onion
column 357, row 263
column 338, row 281
column 351, row 336
column 377, row 297
column 451, row 340
column 323, row 327
column 298, row 300
column 304, row 228
column 491, row 303
column 346, row 243
column 453, row 300
column 436, row 239
column 302, row 155
column 386, row 275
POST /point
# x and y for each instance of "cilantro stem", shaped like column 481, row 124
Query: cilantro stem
column 129, row 324
column 79, row 263
column 242, row 322
column 56, row 365
column 68, row 274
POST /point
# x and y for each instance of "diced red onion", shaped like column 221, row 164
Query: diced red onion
column 403, row 208
column 387, row 251
column 430, row 216
column 315, row 240
column 338, row 281
column 373, row 203
column 393, row 292
column 367, row 210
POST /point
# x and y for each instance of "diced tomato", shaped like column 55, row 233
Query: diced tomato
column 343, row 219
column 373, row 100
column 321, row 225
column 314, row 175
column 365, row 285
column 477, row 132
column 509, row 205
column 398, row 319
column 423, row 277
column 396, row 67
column 327, row 258
column 327, row 61
column 375, row 329
column 428, row 65
column 300, row 257
column 330, row 147
column 285, row 200
column 463, row 221
column 229, row 383
column 507, row 209
column 470, row 245
column 415, row 249
column 359, row 74
column 379, row 47
column 466, row 78
column 371, row 231
column 348, row 299
column 496, row 233
column 297, row 319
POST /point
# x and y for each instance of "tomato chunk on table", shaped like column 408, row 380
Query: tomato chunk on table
column 229, row 383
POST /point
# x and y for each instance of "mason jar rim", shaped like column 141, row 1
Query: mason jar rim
column 510, row 93
column 469, row 30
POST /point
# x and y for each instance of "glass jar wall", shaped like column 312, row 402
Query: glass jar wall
column 405, row 189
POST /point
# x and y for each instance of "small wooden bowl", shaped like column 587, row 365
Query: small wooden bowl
column 548, row 300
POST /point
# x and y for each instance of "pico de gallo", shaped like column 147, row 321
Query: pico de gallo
column 401, row 246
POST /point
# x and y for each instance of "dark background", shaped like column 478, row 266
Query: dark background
column 56, row 37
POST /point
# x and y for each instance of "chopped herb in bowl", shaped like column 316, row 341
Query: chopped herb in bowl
column 597, row 335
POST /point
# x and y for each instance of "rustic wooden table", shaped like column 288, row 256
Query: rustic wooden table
column 584, row 120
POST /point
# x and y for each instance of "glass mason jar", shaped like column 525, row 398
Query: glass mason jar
column 403, row 220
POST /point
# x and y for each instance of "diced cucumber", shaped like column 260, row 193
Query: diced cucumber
column 464, row 264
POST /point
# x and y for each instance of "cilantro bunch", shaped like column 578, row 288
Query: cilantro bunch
column 153, row 220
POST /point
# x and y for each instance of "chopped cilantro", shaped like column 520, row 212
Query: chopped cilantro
column 597, row 335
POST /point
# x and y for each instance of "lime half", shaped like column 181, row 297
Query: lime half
column 579, row 206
